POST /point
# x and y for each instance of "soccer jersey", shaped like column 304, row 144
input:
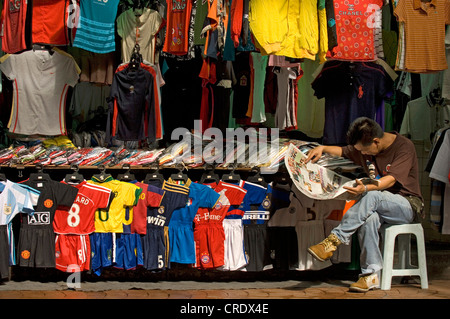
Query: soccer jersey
column 14, row 198
column 95, row 31
column 52, row 195
column 41, row 81
column 136, row 216
column 209, row 234
column 156, row 241
column 256, row 237
column 181, row 232
column 125, row 194
column 79, row 219
column 36, row 246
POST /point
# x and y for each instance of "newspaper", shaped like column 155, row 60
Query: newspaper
column 316, row 181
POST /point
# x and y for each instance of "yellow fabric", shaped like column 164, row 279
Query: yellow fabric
column 125, row 195
column 288, row 28
column 268, row 23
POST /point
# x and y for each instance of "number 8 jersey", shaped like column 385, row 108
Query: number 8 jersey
column 79, row 219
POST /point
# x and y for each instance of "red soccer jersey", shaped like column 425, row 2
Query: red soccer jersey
column 229, row 195
column 355, row 24
column 151, row 196
column 79, row 219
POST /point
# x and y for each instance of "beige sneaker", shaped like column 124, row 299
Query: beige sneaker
column 324, row 250
column 366, row 283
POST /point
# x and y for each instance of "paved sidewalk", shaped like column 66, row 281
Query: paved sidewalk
column 438, row 289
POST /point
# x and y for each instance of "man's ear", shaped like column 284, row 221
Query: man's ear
column 376, row 140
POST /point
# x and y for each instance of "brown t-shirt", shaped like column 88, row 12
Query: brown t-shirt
column 398, row 160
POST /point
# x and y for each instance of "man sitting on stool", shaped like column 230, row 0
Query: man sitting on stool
column 395, row 200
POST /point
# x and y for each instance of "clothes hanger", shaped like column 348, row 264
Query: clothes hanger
column 155, row 176
column 74, row 177
column 209, row 176
column 40, row 175
column 127, row 176
column 232, row 177
column 257, row 178
column 136, row 58
column 43, row 47
column 180, row 176
column 103, row 175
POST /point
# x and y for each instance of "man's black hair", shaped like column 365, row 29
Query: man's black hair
column 363, row 130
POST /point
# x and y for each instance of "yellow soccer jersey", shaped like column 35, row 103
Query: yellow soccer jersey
column 125, row 195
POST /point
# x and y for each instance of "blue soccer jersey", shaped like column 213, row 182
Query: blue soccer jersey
column 181, row 230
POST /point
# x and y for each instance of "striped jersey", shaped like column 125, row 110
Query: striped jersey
column 424, row 31
column 16, row 198
column 96, row 27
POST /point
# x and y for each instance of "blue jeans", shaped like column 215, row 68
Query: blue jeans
column 366, row 216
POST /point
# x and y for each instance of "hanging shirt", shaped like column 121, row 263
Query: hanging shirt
column 424, row 34
column 177, row 27
column 155, row 115
column 125, row 194
column 41, row 80
column 130, row 103
column 16, row 198
column 52, row 195
column 136, row 216
column 355, row 23
column 14, row 18
column 139, row 26
column 156, row 240
column 48, row 25
column 96, row 29
column 351, row 90
column 181, row 232
column 79, row 219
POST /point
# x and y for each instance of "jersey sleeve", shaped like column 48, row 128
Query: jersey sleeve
column 103, row 197
column 132, row 194
column 208, row 197
column 7, row 66
column 65, row 194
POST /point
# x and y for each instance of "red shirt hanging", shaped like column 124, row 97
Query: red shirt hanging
column 177, row 30
column 355, row 23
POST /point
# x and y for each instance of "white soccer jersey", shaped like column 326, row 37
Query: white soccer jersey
column 41, row 80
column 16, row 198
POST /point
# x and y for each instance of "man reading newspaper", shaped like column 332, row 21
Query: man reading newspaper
column 390, row 158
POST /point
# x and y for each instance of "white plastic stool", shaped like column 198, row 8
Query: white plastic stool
column 404, row 254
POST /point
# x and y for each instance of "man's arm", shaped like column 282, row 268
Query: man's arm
column 315, row 154
column 383, row 183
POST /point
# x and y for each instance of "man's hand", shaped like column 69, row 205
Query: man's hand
column 358, row 189
column 315, row 154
